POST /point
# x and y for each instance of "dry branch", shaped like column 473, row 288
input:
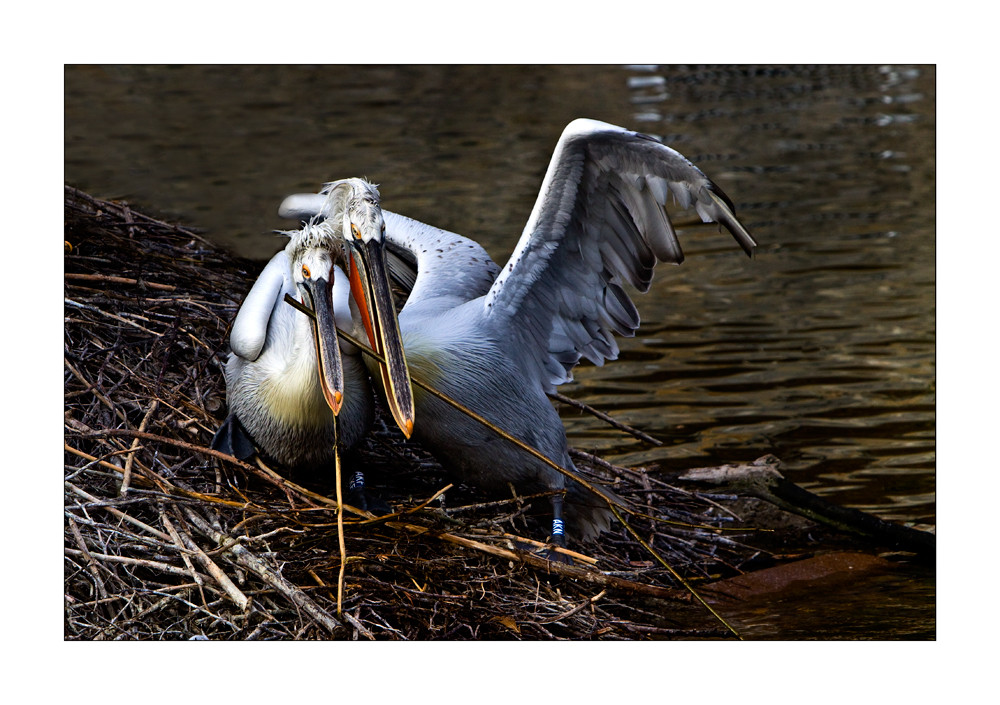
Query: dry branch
column 761, row 479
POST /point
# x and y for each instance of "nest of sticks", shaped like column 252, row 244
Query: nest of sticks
column 167, row 539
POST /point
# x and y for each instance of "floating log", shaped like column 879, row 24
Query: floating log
column 761, row 479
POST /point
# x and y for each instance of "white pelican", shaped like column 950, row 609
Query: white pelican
column 498, row 340
column 274, row 392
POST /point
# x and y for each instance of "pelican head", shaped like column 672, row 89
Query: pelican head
column 313, row 252
column 354, row 205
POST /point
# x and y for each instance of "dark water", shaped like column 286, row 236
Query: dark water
column 821, row 350
column 882, row 606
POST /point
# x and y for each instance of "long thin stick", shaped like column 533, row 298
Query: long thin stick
column 184, row 551
column 107, row 278
column 569, row 401
column 142, row 562
column 340, row 528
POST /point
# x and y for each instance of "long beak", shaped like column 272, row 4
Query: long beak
column 331, row 371
column 370, row 287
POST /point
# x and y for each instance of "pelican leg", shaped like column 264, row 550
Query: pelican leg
column 357, row 495
column 558, row 526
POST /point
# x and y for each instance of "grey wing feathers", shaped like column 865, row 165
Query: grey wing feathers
column 447, row 265
column 402, row 267
column 599, row 222
column 249, row 331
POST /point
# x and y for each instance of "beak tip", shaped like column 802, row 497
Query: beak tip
column 408, row 428
column 335, row 400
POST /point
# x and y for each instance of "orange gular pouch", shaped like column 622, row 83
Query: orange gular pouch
column 358, row 291
column 380, row 323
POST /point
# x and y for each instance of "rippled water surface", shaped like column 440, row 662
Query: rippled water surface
column 820, row 350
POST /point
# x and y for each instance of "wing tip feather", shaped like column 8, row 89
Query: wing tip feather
column 726, row 215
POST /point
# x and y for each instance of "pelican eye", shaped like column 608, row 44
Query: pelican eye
column 305, row 272
column 355, row 232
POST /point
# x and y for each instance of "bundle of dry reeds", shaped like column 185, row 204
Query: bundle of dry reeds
column 167, row 539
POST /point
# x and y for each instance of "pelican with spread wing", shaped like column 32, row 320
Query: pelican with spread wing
column 497, row 340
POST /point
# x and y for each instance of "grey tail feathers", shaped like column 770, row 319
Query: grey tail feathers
column 586, row 514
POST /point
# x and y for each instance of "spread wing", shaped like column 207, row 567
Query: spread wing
column 598, row 223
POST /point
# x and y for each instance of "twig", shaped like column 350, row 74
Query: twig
column 340, row 527
column 140, row 562
column 558, row 549
column 241, row 555
column 102, row 312
column 359, row 626
column 579, row 607
column 127, row 471
column 569, row 401
column 117, row 280
column 412, row 510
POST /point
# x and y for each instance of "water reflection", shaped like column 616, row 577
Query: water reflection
column 894, row 607
column 821, row 350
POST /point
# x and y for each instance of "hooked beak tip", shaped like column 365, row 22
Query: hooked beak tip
column 334, row 399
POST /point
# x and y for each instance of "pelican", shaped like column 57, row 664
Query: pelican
column 294, row 389
column 497, row 340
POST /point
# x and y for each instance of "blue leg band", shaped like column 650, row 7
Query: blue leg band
column 557, row 527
